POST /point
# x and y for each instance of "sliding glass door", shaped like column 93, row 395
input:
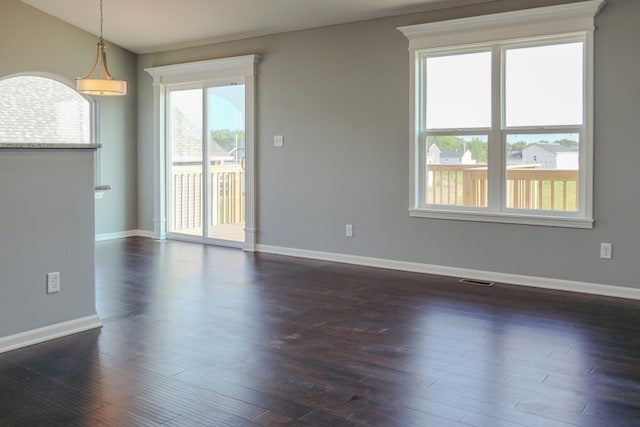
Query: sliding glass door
column 206, row 162
column 186, row 169
column 225, row 131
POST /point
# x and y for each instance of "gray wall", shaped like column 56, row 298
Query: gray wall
column 340, row 96
column 46, row 225
column 47, row 220
column 32, row 41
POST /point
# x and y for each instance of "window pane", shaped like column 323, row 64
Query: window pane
column 544, row 85
column 42, row 110
column 456, row 170
column 543, row 171
column 458, row 91
column 225, row 130
column 185, row 139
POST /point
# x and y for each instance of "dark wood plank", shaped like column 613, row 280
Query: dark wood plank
column 209, row 336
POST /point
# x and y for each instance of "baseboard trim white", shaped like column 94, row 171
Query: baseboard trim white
column 124, row 234
column 46, row 333
column 514, row 279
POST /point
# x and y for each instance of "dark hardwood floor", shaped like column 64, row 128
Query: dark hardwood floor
column 206, row 336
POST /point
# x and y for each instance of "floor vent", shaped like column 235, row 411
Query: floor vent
column 476, row 282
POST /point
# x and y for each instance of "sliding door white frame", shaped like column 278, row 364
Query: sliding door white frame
column 166, row 76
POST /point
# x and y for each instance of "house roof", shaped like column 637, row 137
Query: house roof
column 433, row 147
column 187, row 144
column 37, row 109
column 553, row 148
column 453, row 153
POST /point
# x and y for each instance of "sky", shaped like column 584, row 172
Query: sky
column 540, row 87
column 225, row 107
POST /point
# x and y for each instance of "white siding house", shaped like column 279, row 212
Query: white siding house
column 456, row 157
column 551, row 156
column 433, row 155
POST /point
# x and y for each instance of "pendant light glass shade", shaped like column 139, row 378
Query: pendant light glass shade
column 103, row 83
column 102, row 87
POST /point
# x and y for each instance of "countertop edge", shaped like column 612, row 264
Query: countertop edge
column 47, row 146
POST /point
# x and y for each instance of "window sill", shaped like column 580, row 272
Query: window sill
column 506, row 218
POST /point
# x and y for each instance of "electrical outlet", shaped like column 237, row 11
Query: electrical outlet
column 278, row 141
column 605, row 250
column 348, row 230
column 53, row 282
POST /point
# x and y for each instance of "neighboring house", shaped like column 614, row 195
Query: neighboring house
column 551, row 156
column 187, row 143
column 433, row 155
column 24, row 117
column 514, row 157
column 456, row 157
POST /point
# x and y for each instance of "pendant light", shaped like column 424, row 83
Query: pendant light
column 104, row 83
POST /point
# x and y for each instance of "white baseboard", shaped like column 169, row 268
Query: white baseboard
column 123, row 234
column 46, row 333
column 514, row 279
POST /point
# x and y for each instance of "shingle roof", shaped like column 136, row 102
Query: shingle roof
column 187, row 140
column 36, row 109
column 554, row 148
column 452, row 153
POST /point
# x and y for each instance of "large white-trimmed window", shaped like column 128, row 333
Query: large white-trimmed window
column 40, row 110
column 502, row 117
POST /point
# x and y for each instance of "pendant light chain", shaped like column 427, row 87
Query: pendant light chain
column 101, row 20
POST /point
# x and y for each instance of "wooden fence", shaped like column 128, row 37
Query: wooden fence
column 226, row 187
column 527, row 187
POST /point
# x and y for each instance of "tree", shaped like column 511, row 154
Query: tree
column 516, row 146
column 478, row 148
column 567, row 142
column 447, row 142
column 226, row 138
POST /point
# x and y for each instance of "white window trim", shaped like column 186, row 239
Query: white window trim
column 201, row 72
column 505, row 27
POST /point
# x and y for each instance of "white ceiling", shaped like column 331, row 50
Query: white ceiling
column 144, row 26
